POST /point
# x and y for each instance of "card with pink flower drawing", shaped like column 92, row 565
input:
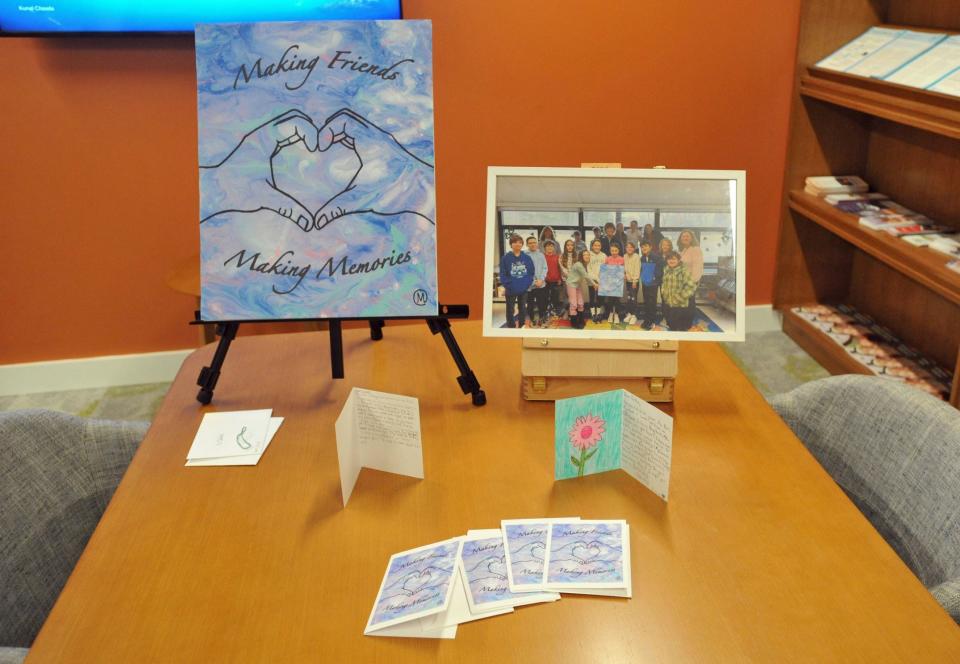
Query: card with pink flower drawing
column 613, row 430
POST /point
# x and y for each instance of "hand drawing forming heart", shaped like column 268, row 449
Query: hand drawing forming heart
column 417, row 581
column 314, row 178
column 586, row 552
column 537, row 551
column 497, row 568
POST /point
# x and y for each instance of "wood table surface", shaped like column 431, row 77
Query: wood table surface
column 758, row 556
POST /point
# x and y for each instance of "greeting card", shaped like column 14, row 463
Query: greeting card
column 600, row 432
column 316, row 156
column 381, row 431
column 484, row 569
column 525, row 547
column 415, row 593
column 589, row 557
column 231, row 434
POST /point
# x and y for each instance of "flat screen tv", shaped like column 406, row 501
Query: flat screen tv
column 106, row 16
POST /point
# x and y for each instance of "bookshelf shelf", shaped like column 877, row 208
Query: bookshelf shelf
column 820, row 347
column 905, row 142
column 923, row 265
column 930, row 111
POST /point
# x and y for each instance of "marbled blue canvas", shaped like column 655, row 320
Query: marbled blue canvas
column 316, row 162
column 611, row 281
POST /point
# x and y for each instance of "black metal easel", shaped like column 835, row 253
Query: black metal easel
column 439, row 324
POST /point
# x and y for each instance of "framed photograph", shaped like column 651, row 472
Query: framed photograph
column 615, row 253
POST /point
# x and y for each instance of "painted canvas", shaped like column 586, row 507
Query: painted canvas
column 611, row 281
column 316, row 155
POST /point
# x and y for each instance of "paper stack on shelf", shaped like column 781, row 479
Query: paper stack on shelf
column 923, row 60
column 877, row 348
column 835, row 184
column 946, row 245
column 428, row 591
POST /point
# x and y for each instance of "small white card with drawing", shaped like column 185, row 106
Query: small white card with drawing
column 380, row 431
column 231, row 434
column 247, row 459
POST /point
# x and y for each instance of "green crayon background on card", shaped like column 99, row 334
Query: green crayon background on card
column 578, row 417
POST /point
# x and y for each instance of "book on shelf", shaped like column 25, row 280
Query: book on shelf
column 882, row 222
column 840, row 200
column 823, row 185
column 899, row 230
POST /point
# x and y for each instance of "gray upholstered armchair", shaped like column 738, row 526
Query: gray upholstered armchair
column 895, row 451
column 57, row 475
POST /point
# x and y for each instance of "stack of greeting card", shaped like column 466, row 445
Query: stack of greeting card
column 235, row 438
column 426, row 592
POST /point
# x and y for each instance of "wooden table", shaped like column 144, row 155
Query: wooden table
column 758, row 555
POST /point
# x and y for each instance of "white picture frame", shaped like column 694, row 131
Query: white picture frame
column 533, row 189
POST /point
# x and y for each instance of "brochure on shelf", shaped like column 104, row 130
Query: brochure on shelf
column 589, row 557
column 895, row 54
column 380, row 431
column 928, row 68
column 948, row 85
column 600, row 432
column 863, row 46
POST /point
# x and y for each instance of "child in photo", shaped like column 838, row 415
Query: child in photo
column 597, row 234
column 653, row 236
column 569, row 256
column 631, row 279
column 537, row 296
column 546, row 235
column 554, row 279
column 620, row 236
column 611, row 303
column 597, row 258
column 676, row 289
column 651, row 272
column 577, row 280
column 664, row 248
column 609, row 237
column 516, row 277
column 634, row 234
column 578, row 243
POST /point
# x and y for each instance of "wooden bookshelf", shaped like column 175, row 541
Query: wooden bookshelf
column 906, row 143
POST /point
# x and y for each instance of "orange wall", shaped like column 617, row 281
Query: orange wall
column 99, row 146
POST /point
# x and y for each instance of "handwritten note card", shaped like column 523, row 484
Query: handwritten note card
column 380, row 431
column 600, row 432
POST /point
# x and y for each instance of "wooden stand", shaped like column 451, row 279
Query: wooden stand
column 561, row 368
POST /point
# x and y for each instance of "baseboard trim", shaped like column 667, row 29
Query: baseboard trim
column 763, row 318
column 90, row 372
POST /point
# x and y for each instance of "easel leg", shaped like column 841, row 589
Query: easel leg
column 210, row 375
column 336, row 348
column 467, row 379
column 376, row 328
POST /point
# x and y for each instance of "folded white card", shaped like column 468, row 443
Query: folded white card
column 234, row 433
column 241, row 459
column 380, row 431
